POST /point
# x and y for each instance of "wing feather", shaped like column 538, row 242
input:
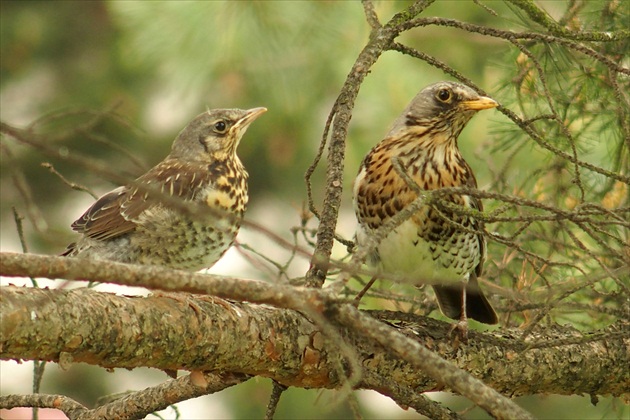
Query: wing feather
column 476, row 203
column 104, row 219
column 116, row 213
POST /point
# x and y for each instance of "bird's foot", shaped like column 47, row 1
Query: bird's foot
column 459, row 332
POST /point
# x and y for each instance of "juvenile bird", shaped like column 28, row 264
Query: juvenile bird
column 141, row 223
column 436, row 244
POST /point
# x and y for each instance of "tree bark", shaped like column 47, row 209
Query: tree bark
column 212, row 334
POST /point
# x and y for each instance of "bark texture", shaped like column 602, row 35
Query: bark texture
column 212, row 334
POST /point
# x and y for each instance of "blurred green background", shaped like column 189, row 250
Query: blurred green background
column 157, row 64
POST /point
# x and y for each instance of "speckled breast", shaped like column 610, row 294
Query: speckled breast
column 196, row 241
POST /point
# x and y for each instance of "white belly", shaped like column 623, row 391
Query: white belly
column 410, row 258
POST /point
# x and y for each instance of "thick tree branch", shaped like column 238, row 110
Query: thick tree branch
column 126, row 332
column 281, row 344
column 79, row 325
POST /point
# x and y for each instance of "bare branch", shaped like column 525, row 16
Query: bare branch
column 59, row 402
column 134, row 405
column 139, row 404
column 66, row 181
column 370, row 14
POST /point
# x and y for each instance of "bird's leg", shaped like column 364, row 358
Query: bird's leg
column 363, row 291
column 461, row 327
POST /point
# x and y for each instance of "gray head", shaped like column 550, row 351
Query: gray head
column 444, row 106
column 214, row 135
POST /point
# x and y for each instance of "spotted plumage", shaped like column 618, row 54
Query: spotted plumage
column 435, row 245
column 151, row 221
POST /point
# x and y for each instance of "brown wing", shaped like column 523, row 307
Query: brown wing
column 477, row 205
column 116, row 212
column 104, row 219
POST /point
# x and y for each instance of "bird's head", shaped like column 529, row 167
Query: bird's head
column 443, row 107
column 214, row 135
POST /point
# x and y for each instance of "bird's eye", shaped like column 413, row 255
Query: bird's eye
column 443, row 95
column 220, row 127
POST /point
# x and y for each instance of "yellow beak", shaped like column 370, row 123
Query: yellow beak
column 477, row 104
column 249, row 117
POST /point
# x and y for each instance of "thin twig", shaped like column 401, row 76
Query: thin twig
column 276, row 392
column 66, row 181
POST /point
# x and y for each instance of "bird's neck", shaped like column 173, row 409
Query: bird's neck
column 424, row 144
column 430, row 158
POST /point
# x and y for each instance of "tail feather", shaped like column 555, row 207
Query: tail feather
column 449, row 300
column 477, row 306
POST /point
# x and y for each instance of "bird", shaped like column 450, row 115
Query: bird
column 152, row 221
column 436, row 245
